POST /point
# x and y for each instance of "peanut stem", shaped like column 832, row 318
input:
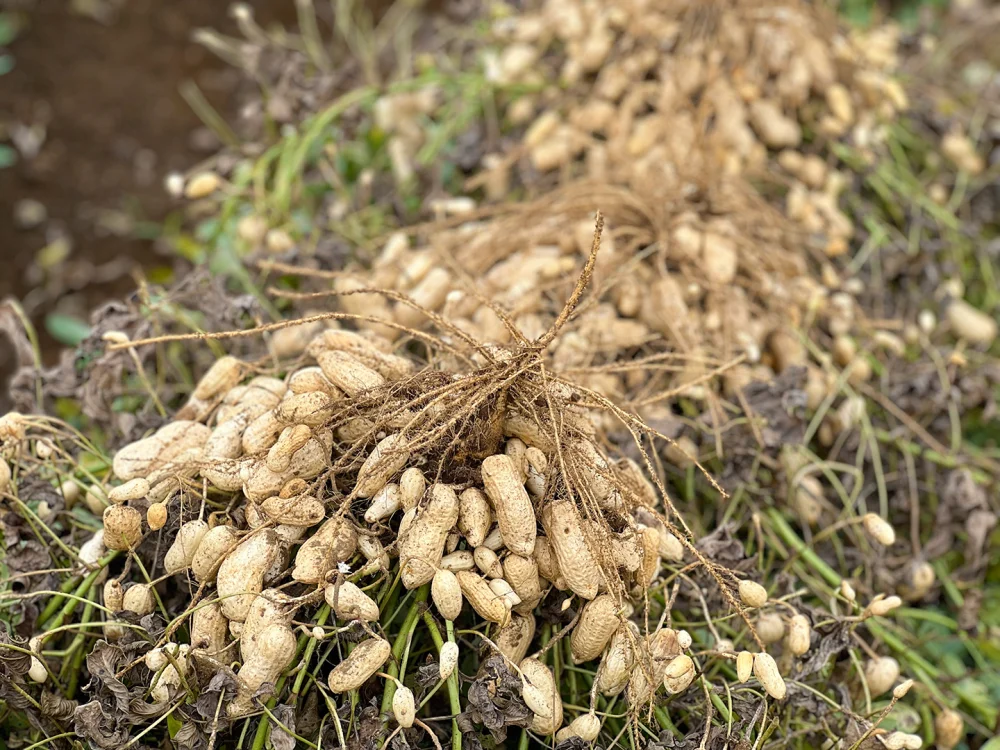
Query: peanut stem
column 321, row 616
column 78, row 595
column 77, row 647
column 400, row 645
column 453, row 698
column 793, row 540
column 53, row 605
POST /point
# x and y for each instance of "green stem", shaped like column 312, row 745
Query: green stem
column 77, row 648
column 55, row 601
column 453, row 699
column 321, row 616
column 79, row 594
column 264, row 727
column 400, row 645
column 789, row 537
column 663, row 719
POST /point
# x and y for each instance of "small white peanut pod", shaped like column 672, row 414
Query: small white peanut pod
column 223, row 375
column 474, row 516
column 290, row 441
column 522, row 575
column 412, row 486
column 335, row 541
column 446, row 593
column 618, row 660
column 403, row 707
column 597, row 624
column 585, row 726
column 385, row 502
column 37, row 671
column 269, row 607
column 447, row 659
column 577, row 565
column 241, row 574
column 477, row 591
column 501, row 588
column 301, row 511
column 744, row 665
column 548, row 707
column 363, row 662
column 347, row 373
column 488, row 562
column 311, row 380
column 305, row 409
column 274, row 653
column 679, row 674
column 351, row 603
column 766, row 671
column 752, row 593
column 133, row 489
column 420, row 549
column 511, row 503
column 461, row 559
column 514, row 638
column 262, row 433
column 211, row 550
column 139, row 599
column 114, row 599
column 548, row 564
column 388, row 457
column 799, row 635
column 209, row 629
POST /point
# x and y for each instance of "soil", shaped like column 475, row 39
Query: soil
column 105, row 92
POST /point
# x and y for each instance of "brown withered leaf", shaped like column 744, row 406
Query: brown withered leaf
column 103, row 663
column 99, row 727
column 830, row 644
column 778, row 409
column 667, row 741
column 494, row 700
column 13, row 664
column 220, row 689
column 723, row 547
column 368, row 730
column 307, row 718
column 280, row 738
column 191, row 737
column 428, row 673
column 54, row 706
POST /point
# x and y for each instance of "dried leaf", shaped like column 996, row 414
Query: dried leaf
column 428, row 673
column 221, row 688
column 100, row 728
column 13, row 664
column 830, row 644
column 54, row 706
column 494, row 700
column 190, row 737
column 281, row 739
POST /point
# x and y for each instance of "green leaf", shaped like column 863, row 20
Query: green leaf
column 66, row 329
column 6, row 64
column 173, row 725
column 8, row 156
column 9, row 28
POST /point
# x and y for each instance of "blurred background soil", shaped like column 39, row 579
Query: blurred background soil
column 92, row 116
